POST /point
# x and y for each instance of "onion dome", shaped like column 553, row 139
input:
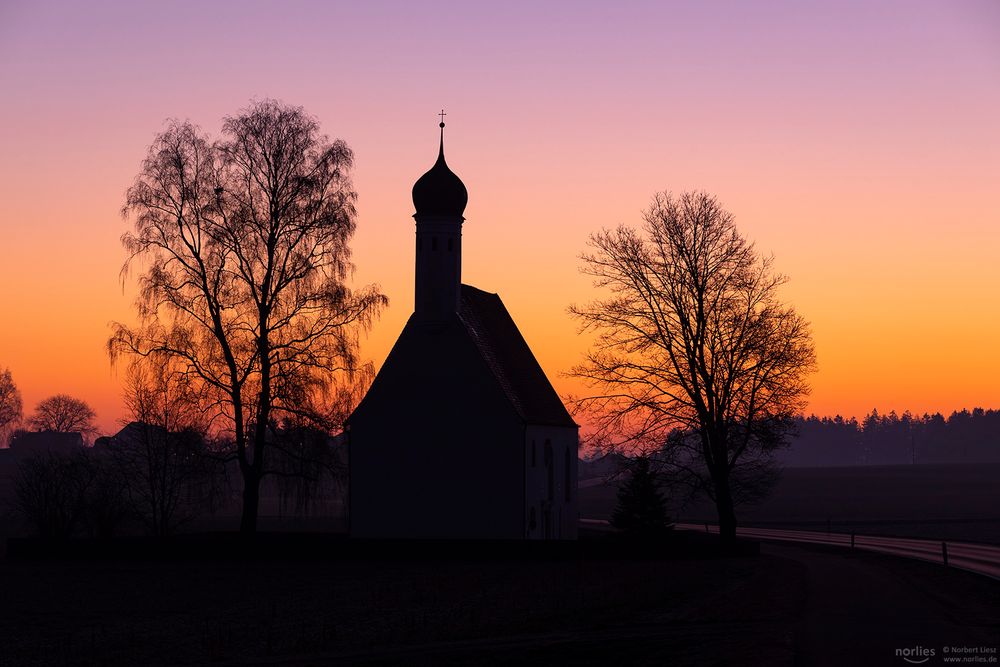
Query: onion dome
column 440, row 191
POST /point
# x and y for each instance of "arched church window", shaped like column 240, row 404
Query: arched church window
column 566, row 470
column 550, row 470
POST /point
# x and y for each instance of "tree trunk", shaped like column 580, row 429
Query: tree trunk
column 724, row 506
column 251, row 500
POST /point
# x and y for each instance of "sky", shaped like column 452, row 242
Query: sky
column 858, row 142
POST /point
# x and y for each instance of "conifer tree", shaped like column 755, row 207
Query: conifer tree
column 641, row 509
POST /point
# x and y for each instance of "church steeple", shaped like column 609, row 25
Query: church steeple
column 440, row 191
column 439, row 197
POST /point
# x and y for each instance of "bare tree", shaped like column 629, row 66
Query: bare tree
column 10, row 404
column 50, row 492
column 160, row 457
column 59, row 493
column 693, row 348
column 160, row 391
column 64, row 414
column 105, row 501
column 310, row 466
column 246, row 244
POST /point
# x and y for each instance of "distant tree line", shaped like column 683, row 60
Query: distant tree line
column 890, row 439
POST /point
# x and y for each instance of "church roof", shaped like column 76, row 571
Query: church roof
column 508, row 356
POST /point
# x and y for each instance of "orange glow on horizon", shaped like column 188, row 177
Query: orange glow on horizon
column 860, row 146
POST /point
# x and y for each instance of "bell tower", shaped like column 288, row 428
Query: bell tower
column 439, row 197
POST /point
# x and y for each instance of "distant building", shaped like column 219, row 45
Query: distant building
column 133, row 435
column 461, row 434
column 30, row 443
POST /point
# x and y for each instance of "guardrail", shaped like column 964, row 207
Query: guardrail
column 979, row 558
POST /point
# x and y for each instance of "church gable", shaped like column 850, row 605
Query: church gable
column 510, row 360
column 436, row 367
column 483, row 337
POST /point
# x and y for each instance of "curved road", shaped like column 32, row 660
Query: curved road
column 979, row 558
column 869, row 610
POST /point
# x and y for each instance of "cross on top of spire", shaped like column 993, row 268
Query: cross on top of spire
column 440, row 191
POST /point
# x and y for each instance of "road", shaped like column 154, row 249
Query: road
column 978, row 558
column 865, row 610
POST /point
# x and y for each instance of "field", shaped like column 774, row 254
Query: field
column 312, row 595
column 954, row 502
column 315, row 598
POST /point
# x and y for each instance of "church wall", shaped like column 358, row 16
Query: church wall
column 550, row 472
column 436, row 449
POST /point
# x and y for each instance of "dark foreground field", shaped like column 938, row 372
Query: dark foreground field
column 315, row 599
column 684, row 604
column 358, row 604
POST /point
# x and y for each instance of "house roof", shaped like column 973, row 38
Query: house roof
column 41, row 441
column 508, row 356
column 138, row 433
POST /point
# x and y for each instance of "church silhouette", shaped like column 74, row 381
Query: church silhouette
column 461, row 435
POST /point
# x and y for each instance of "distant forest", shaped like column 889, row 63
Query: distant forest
column 962, row 437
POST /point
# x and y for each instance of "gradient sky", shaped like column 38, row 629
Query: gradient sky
column 857, row 141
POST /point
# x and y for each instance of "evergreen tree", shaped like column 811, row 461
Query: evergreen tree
column 642, row 509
